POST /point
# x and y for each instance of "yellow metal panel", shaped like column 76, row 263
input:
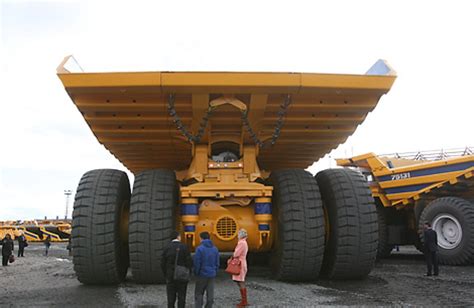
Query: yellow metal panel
column 230, row 82
column 439, row 180
column 128, row 113
column 421, row 179
column 424, row 165
column 244, row 218
column 115, row 80
column 342, row 82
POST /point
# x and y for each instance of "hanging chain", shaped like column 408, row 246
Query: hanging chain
column 278, row 126
column 245, row 120
column 182, row 128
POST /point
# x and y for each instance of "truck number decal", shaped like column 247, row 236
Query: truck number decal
column 401, row 176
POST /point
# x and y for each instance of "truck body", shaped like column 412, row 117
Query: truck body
column 217, row 152
column 37, row 230
column 413, row 188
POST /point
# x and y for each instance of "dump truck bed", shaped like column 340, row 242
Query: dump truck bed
column 128, row 112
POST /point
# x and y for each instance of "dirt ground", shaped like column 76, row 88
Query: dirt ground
column 36, row 280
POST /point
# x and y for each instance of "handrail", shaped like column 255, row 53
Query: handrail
column 432, row 155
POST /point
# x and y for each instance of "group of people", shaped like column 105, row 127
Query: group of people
column 206, row 262
column 204, row 265
column 8, row 247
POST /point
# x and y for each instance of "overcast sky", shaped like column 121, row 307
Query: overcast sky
column 45, row 145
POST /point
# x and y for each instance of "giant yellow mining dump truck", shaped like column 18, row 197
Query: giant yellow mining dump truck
column 413, row 188
column 219, row 151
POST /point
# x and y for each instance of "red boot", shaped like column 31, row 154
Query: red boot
column 243, row 302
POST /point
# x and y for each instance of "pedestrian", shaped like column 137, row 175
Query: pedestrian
column 69, row 246
column 431, row 249
column 206, row 264
column 7, row 249
column 240, row 252
column 47, row 244
column 175, row 252
column 22, row 243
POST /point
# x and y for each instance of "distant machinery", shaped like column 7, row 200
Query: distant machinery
column 412, row 188
column 37, row 230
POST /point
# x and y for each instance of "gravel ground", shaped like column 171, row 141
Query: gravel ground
column 36, row 280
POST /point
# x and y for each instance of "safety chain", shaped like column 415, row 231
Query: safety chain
column 180, row 126
column 245, row 120
column 278, row 125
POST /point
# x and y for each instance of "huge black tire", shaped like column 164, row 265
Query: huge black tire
column 299, row 242
column 418, row 209
column 384, row 249
column 152, row 218
column 448, row 216
column 99, row 222
column 351, row 247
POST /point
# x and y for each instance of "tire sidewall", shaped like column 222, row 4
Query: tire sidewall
column 298, row 211
column 153, row 212
column 101, row 197
column 444, row 206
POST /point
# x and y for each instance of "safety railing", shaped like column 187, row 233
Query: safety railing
column 433, row 155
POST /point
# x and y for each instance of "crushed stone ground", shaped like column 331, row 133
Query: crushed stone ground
column 39, row 281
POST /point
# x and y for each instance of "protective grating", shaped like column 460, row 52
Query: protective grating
column 226, row 228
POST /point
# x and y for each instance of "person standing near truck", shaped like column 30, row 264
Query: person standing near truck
column 7, row 249
column 431, row 249
column 47, row 244
column 175, row 253
column 240, row 252
column 206, row 265
column 21, row 245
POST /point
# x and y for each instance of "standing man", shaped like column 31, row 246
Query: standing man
column 7, row 248
column 168, row 260
column 47, row 244
column 206, row 264
column 21, row 244
column 431, row 249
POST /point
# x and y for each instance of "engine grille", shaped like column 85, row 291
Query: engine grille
column 226, row 228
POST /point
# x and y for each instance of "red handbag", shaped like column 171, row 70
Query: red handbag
column 11, row 259
column 233, row 266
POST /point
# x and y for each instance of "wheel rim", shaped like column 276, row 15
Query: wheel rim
column 449, row 231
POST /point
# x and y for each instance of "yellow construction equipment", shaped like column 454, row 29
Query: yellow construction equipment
column 220, row 151
column 37, row 230
column 413, row 188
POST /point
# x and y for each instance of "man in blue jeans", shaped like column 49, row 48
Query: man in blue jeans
column 206, row 264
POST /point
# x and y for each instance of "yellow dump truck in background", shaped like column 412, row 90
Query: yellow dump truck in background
column 37, row 230
column 413, row 188
column 220, row 151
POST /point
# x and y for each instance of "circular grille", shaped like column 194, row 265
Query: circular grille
column 226, row 228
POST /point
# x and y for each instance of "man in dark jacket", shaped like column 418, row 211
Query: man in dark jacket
column 7, row 249
column 206, row 264
column 431, row 249
column 21, row 245
column 168, row 260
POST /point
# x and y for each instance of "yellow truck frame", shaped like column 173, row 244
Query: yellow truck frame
column 37, row 230
column 410, row 190
column 220, row 151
